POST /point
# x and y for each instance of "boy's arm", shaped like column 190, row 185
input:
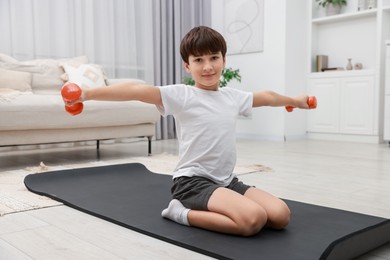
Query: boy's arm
column 124, row 91
column 270, row 98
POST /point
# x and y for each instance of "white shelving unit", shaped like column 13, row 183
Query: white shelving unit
column 345, row 17
column 350, row 102
column 386, row 132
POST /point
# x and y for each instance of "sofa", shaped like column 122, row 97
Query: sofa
column 32, row 110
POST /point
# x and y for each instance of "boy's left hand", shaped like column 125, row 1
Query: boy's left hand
column 304, row 102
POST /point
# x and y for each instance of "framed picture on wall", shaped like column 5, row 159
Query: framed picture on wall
column 244, row 25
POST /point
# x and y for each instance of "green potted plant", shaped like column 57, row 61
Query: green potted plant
column 228, row 74
column 332, row 6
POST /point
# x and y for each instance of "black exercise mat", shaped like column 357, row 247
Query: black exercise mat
column 133, row 197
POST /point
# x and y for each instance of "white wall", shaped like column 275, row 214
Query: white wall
column 297, row 63
column 281, row 67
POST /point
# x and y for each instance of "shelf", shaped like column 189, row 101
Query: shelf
column 345, row 17
column 342, row 73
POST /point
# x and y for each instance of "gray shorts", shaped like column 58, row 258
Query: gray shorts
column 195, row 192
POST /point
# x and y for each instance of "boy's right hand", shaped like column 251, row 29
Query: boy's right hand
column 72, row 94
column 73, row 97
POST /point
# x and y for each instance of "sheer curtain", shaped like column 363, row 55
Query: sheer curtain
column 172, row 20
column 113, row 33
column 129, row 38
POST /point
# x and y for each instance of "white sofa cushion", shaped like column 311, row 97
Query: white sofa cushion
column 46, row 73
column 16, row 80
column 6, row 58
column 47, row 112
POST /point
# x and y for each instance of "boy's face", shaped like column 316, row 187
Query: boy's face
column 206, row 70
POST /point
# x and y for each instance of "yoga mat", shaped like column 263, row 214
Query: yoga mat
column 133, row 197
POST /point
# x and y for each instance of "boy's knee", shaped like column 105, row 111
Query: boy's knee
column 253, row 221
column 281, row 217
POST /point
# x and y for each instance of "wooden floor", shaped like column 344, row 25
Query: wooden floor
column 348, row 176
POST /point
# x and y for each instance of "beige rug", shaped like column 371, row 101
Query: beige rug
column 14, row 197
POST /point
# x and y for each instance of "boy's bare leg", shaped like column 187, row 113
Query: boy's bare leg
column 277, row 210
column 230, row 212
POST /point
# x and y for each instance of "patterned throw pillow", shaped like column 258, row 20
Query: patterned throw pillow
column 84, row 75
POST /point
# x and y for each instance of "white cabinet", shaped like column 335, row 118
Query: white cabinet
column 350, row 102
column 345, row 104
column 326, row 117
column 357, row 105
column 386, row 131
column 387, row 118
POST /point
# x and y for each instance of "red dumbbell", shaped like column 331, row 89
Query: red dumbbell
column 311, row 101
column 70, row 93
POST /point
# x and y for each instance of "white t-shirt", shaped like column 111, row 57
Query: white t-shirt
column 205, row 125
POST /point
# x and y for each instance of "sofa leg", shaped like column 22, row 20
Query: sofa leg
column 97, row 144
column 149, row 145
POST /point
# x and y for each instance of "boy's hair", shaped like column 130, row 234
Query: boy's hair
column 202, row 40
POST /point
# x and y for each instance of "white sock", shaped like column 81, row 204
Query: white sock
column 176, row 212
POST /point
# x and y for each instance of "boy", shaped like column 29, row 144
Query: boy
column 206, row 193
